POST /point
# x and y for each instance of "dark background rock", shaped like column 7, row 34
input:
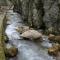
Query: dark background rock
column 40, row 13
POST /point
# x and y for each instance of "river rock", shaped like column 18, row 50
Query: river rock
column 11, row 51
column 22, row 29
column 54, row 38
column 54, row 50
column 51, row 37
column 31, row 34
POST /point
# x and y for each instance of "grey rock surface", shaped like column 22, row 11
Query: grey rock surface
column 37, row 12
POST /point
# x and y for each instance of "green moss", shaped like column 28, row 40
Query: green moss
column 2, row 55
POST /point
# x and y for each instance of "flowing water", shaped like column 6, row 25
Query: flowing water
column 27, row 50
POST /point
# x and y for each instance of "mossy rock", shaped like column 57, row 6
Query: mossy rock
column 10, row 51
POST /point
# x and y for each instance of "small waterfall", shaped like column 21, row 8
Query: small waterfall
column 27, row 50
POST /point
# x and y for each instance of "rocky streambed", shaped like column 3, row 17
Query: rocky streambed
column 27, row 49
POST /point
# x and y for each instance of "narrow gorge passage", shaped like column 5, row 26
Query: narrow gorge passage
column 27, row 50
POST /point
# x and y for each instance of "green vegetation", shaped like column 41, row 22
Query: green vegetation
column 2, row 55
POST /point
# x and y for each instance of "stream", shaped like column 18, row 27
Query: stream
column 27, row 50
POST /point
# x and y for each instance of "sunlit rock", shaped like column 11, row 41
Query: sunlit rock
column 31, row 34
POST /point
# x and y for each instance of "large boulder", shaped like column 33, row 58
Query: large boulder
column 31, row 34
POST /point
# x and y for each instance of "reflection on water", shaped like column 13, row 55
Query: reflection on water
column 28, row 50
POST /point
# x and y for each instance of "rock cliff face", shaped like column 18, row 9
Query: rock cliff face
column 51, row 16
column 37, row 12
column 3, row 2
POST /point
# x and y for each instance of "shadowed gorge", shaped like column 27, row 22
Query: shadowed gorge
column 35, row 13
